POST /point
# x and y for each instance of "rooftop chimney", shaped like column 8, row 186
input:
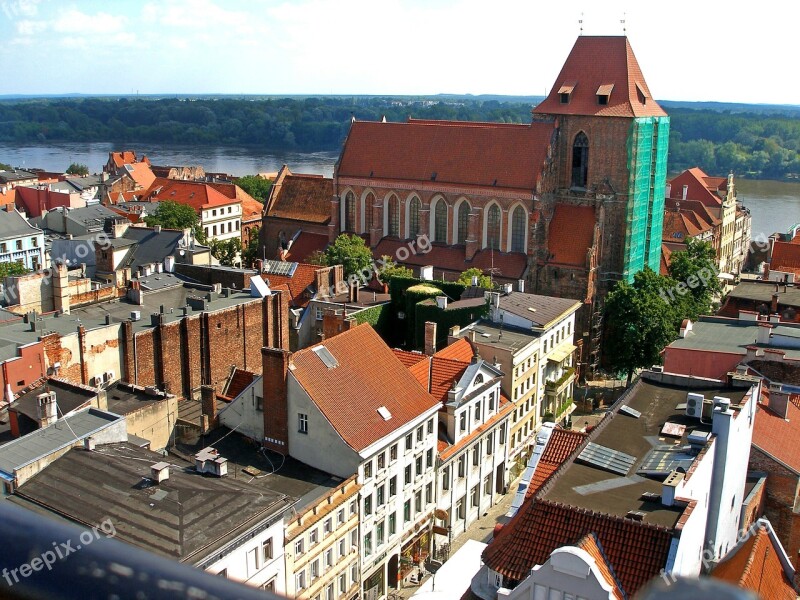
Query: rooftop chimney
column 774, row 306
column 430, row 338
column 208, row 395
column 275, row 366
column 441, row 302
column 353, row 288
column 159, row 472
column 426, row 273
column 779, row 403
column 685, row 192
column 46, row 409
column 521, row 285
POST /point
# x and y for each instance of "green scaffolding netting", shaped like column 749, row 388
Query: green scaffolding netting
column 647, row 164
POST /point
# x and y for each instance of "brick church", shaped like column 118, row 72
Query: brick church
column 568, row 203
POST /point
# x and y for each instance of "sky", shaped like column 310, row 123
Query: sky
column 700, row 50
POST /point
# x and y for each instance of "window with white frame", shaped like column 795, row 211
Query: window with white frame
column 302, row 422
column 300, row 580
column 298, row 547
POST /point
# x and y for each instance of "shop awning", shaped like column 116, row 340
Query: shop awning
column 560, row 353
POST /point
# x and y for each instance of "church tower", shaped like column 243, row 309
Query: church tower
column 612, row 157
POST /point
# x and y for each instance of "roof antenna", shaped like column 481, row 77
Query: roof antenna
column 580, row 24
column 624, row 29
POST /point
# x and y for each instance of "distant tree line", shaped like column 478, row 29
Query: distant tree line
column 758, row 143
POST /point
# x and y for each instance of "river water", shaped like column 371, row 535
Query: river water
column 774, row 205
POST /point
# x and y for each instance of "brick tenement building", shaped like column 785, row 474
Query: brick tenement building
column 570, row 203
column 199, row 347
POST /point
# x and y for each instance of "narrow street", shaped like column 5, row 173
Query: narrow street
column 481, row 530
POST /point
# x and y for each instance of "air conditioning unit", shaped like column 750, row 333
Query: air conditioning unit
column 694, row 405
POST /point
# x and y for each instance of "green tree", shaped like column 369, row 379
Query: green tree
column 173, row 215
column 226, row 251
column 351, row 252
column 77, row 169
column 391, row 269
column 317, row 257
column 697, row 282
column 484, row 281
column 251, row 253
column 640, row 322
column 12, row 268
column 256, row 186
column 5, row 167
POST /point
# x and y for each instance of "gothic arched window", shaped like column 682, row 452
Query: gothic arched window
column 462, row 222
column 413, row 218
column 493, row 227
column 518, row 229
column 580, row 160
column 350, row 212
column 393, row 215
column 369, row 202
column 440, row 222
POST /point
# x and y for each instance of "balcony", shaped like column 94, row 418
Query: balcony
column 557, row 386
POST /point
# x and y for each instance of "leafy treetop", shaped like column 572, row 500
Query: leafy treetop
column 256, row 186
column 173, row 215
column 351, row 252
column 484, row 281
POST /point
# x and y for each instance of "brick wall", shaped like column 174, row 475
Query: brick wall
column 201, row 348
column 781, row 493
column 209, row 275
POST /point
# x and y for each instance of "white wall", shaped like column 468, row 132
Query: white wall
column 242, row 414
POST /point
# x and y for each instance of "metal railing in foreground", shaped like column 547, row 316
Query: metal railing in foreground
column 43, row 559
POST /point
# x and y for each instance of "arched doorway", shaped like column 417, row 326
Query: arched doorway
column 394, row 571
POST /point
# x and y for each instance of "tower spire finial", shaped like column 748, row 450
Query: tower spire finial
column 580, row 24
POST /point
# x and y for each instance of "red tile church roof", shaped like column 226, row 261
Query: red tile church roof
column 463, row 153
column 599, row 64
column 571, row 234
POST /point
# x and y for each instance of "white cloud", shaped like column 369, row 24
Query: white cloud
column 28, row 27
column 20, row 8
column 76, row 22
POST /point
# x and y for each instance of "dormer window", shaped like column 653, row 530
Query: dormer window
column 641, row 94
column 604, row 93
column 565, row 91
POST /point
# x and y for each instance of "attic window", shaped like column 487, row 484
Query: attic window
column 384, row 413
column 325, row 356
column 565, row 91
column 603, row 93
column 641, row 94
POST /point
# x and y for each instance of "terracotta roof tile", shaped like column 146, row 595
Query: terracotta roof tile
column 592, row 546
column 785, row 256
column 460, row 350
column 637, row 551
column 301, row 198
column 194, row 194
column 562, row 443
column 459, row 152
column 443, row 372
column 304, row 245
column 697, row 189
column 141, row 173
column 304, row 277
column 571, row 234
column 507, row 265
column 779, row 437
column 367, row 384
column 756, row 566
column 238, row 382
column 251, row 210
column 597, row 61
column 417, row 364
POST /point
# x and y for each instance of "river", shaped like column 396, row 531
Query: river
column 774, row 205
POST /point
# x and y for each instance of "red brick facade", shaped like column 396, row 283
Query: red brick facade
column 201, row 348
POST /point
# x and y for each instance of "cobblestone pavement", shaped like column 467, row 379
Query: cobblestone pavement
column 481, row 530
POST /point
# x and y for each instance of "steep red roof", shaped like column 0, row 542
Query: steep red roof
column 443, row 372
column 301, row 198
column 417, row 364
column 506, row 265
column 571, row 234
column 695, row 206
column 194, row 194
column 756, row 566
column 606, row 65
column 302, row 278
column 123, row 158
column 239, row 380
column 460, row 350
column 779, row 437
column 785, row 257
column 304, row 245
column 561, row 444
column 697, row 188
column 382, row 380
column 141, row 173
column 636, row 550
column 449, row 450
column 481, row 154
column 251, row 210
column 592, row 546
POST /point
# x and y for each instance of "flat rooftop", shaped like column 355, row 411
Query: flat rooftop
column 591, row 487
column 62, row 433
column 366, row 299
column 187, row 517
column 69, row 396
column 15, row 332
column 124, row 398
column 492, row 334
column 263, row 468
column 762, row 291
column 718, row 334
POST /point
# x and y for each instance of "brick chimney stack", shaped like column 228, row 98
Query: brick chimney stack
column 275, row 367
column 208, row 395
column 774, row 306
column 430, row 338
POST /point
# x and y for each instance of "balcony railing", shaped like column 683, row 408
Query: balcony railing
column 554, row 385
